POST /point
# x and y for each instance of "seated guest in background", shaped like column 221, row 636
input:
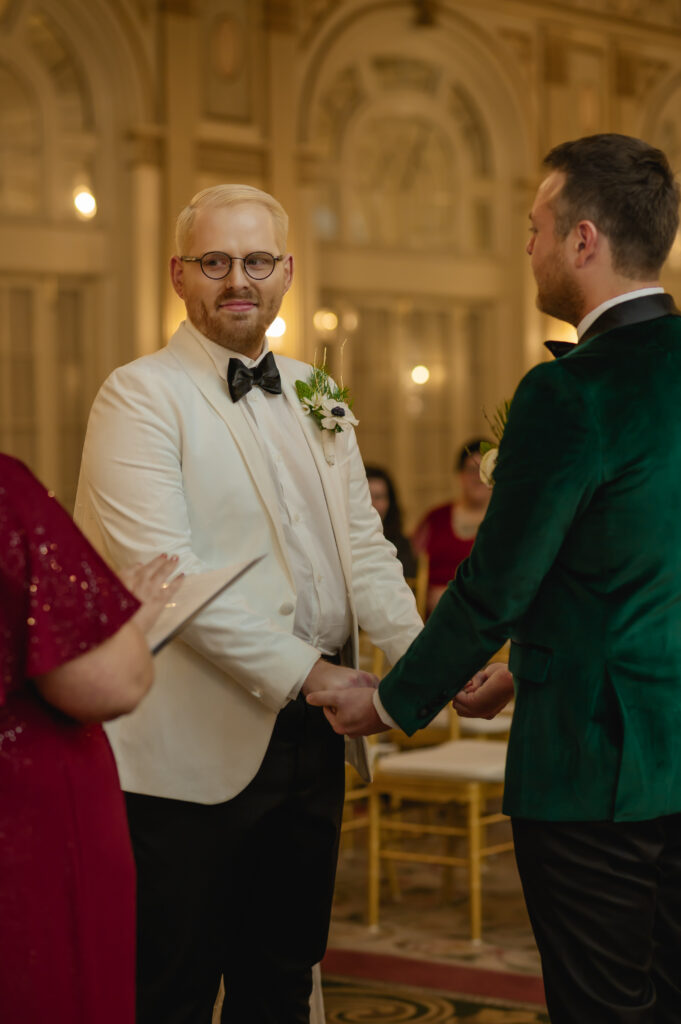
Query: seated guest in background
column 446, row 533
column 72, row 654
column 384, row 500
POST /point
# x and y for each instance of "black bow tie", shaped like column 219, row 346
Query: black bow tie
column 240, row 378
column 560, row 348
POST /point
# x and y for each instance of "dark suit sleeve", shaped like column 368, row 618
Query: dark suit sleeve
column 548, row 468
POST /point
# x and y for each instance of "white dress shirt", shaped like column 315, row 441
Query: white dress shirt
column 322, row 616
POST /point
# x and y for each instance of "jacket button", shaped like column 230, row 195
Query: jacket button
column 287, row 608
column 423, row 712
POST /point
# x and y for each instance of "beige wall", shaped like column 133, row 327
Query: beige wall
column 406, row 154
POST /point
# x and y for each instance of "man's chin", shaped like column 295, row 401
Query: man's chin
column 558, row 313
column 235, row 337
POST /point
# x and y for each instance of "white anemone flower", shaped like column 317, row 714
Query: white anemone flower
column 337, row 414
column 487, row 466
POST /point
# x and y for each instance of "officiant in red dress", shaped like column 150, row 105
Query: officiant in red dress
column 72, row 654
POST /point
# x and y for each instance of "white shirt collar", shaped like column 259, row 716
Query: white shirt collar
column 591, row 317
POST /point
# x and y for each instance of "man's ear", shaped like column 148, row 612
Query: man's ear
column 586, row 242
column 288, row 271
column 177, row 275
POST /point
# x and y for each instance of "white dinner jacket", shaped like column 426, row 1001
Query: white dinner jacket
column 171, row 464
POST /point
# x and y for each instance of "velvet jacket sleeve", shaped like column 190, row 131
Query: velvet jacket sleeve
column 548, row 468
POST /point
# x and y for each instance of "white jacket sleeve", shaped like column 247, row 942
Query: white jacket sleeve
column 132, row 503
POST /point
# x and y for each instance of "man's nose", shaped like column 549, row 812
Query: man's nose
column 237, row 276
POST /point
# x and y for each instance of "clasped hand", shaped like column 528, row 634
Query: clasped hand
column 486, row 693
column 346, row 694
column 349, row 705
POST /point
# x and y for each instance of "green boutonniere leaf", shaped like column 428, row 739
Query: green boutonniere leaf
column 497, row 423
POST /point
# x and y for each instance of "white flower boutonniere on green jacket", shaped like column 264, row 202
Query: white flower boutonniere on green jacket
column 489, row 452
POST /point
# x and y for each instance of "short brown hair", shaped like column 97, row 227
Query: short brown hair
column 627, row 188
column 230, row 195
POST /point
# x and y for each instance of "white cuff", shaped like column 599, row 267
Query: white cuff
column 383, row 714
column 315, row 655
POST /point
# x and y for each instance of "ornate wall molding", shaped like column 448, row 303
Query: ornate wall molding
column 651, row 12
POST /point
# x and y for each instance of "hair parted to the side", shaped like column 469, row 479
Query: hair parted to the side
column 627, row 189
column 230, row 195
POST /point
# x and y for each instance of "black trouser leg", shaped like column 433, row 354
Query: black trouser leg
column 603, row 898
column 243, row 887
column 287, row 862
column 666, row 966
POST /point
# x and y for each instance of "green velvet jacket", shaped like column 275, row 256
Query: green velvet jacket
column 578, row 560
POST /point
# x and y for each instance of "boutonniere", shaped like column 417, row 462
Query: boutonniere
column 488, row 451
column 329, row 405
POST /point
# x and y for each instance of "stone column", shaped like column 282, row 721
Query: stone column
column 282, row 47
column 181, row 76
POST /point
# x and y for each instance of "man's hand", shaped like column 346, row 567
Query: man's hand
column 486, row 693
column 351, row 712
column 325, row 676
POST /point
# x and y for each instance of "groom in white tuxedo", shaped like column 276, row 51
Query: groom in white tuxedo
column 234, row 783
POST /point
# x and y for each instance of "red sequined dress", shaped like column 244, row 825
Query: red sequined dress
column 445, row 549
column 67, row 911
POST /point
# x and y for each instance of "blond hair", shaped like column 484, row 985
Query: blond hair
column 230, row 195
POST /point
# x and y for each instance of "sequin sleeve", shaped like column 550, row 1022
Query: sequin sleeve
column 72, row 601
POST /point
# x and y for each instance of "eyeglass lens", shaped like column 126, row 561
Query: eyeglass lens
column 257, row 265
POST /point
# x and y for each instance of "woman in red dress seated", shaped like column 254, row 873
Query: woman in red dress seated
column 72, row 654
column 446, row 533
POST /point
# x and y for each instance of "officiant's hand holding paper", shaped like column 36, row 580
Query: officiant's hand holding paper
column 486, row 694
column 150, row 585
column 350, row 712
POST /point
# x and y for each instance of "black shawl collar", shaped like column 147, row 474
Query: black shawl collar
column 624, row 314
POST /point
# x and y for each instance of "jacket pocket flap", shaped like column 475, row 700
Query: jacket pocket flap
column 529, row 662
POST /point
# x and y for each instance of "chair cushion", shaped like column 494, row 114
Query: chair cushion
column 456, row 759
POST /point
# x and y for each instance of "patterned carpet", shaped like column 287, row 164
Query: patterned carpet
column 348, row 1001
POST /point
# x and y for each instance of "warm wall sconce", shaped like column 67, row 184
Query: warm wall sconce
column 84, row 202
column 420, row 374
column 325, row 320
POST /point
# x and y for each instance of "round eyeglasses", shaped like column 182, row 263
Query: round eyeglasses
column 216, row 265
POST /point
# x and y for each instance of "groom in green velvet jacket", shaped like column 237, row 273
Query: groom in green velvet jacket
column 578, row 561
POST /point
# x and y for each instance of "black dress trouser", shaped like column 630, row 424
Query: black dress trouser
column 604, row 899
column 242, row 888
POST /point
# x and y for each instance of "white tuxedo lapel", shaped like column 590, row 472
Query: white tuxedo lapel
column 332, row 481
column 201, row 369
column 356, row 749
